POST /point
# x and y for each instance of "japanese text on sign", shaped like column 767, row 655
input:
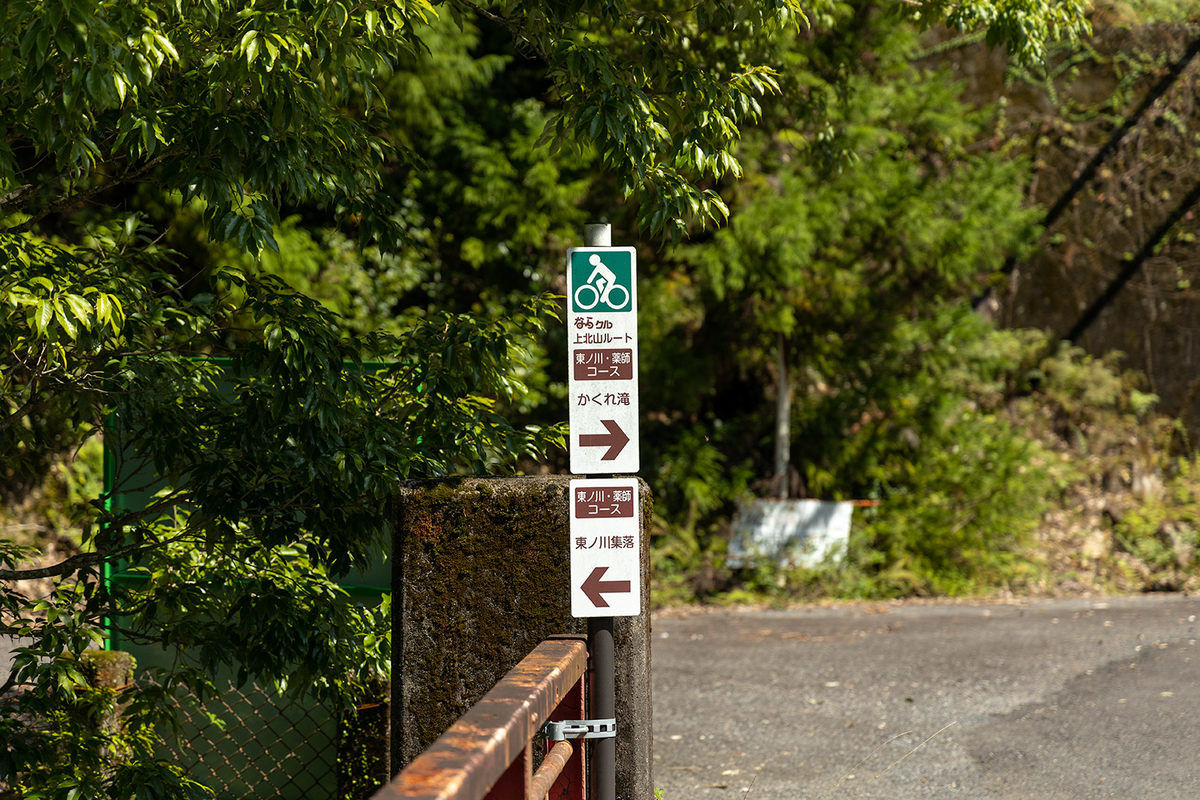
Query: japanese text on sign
column 605, row 547
column 601, row 338
column 604, row 399
column 603, row 365
column 604, row 542
column 603, row 502
column 592, row 323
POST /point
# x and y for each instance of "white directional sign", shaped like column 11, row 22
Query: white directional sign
column 603, row 370
column 606, row 548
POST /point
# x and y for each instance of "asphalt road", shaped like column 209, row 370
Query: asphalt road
column 1042, row 700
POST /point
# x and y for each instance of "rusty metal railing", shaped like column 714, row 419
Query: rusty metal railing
column 488, row 753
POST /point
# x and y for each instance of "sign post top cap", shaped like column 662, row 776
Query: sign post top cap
column 597, row 235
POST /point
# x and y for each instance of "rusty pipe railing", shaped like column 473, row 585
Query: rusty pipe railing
column 488, row 752
column 552, row 767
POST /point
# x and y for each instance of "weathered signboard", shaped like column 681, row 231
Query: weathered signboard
column 793, row 532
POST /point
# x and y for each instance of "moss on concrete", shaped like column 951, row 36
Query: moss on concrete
column 485, row 579
column 108, row 669
column 482, row 574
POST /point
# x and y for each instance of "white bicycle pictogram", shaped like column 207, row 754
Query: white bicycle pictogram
column 602, row 285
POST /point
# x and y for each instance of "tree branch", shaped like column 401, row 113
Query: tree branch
column 31, row 406
column 63, row 202
column 82, row 560
column 61, row 568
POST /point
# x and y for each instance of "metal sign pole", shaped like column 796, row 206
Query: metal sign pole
column 604, row 751
column 600, row 641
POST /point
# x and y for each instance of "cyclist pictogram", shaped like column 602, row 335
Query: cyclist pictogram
column 606, row 287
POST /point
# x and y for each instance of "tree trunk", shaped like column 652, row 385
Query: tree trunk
column 783, row 420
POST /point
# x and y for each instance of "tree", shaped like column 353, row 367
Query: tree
column 846, row 285
column 274, row 482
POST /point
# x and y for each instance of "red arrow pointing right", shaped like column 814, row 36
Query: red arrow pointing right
column 595, row 588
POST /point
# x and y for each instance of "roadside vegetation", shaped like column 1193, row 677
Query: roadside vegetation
column 1054, row 480
column 1003, row 460
column 820, row 200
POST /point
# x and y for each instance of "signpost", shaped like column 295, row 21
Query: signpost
column 603, row 373
column 602, row 376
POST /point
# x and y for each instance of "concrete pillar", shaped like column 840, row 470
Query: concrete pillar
column 480, row 575
column 364, row 744
column 108, row 670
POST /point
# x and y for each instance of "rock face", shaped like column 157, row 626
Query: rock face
column 481, row 575
column 1135, row 212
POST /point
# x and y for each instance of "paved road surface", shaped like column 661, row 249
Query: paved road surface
column 1054, row 699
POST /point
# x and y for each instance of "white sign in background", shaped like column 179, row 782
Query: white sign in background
column 794, row 532
column 602, row 373
column 606, row 548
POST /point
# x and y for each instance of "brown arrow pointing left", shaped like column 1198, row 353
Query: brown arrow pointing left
column 595, row 588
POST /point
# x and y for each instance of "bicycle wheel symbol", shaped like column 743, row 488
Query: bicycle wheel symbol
column 610, row 294
column 579, row 293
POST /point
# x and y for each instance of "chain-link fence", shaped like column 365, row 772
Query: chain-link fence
column 251, row 743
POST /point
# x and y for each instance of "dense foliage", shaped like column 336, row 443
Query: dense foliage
column 276, row 469
column 172, row 173
column 861, row 276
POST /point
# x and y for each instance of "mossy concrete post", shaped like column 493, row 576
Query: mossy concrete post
column 109, row 671
column 480, row 576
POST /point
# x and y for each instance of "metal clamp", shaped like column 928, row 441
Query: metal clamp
column 580, row 729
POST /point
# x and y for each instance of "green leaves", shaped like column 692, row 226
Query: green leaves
column 249, row 45
column 277, row 466
column 661, row 94
column 859, row 274
column 274, row 464
column 1023, row 26
column 662, row 125
column 150, row 87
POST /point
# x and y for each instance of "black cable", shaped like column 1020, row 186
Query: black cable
column 1131, row 268
column 1085, row 176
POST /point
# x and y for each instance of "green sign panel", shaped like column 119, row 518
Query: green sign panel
column 601, row 282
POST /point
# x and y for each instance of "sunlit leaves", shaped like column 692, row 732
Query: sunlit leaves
column 225, row 102
column 301, row 441
column 1024, row 27
column 276, row 463
column 660, row 115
